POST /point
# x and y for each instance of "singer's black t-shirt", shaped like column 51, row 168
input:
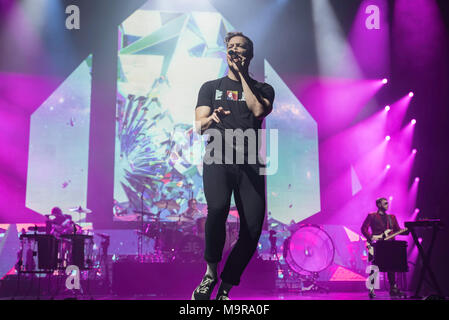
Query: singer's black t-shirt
column 227, row 93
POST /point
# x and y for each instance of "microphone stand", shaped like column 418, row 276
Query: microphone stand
column 140, row 240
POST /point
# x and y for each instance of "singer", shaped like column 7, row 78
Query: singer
column 234, row 102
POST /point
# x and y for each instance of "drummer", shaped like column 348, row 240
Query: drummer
column 57, row 221
column 192, row 212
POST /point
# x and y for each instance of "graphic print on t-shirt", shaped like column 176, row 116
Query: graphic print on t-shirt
column 218, row 94
column 243, row 97
column 232, row 95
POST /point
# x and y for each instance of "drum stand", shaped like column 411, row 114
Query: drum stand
column 30, row 265
column 313, row 286
column 274, row 253
column 86, row 265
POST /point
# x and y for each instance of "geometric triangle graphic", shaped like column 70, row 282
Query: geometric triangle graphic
column 355, row 182
column 168, row 16
column 343, row 274
column 351, row 235
column 209, row 25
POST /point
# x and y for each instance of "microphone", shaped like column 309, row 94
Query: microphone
column 233, row 54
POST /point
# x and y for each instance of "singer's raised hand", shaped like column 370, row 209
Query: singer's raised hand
column 215, row 116
column 237, row 62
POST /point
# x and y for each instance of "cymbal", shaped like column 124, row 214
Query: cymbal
column 80, row 210
column 167, row 204
column 282, row 234
column 145, row 213
column 172, row 217
column 37, row 229
column 186, row 219
column 104, row 236
column 143, row 233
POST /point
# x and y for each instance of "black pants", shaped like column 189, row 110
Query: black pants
column 391, row 279
column 220, row 180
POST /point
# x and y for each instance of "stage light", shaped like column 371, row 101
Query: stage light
column 388, row 138
column 413, row 121
column 385, row 81
column 414, row 151
column 387, row 108
column 417, row 179
column 388, row 167
column 411, row 94
column 416, row 211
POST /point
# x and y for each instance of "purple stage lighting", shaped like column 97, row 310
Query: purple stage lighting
column 385, row 81
column 413, row 121
column 387, row 108
column 417, row 179
column 411, row 94
column 388, row 167
column 414, row 151
column 388, row 138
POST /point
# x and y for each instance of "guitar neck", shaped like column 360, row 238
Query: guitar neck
column 395, row 234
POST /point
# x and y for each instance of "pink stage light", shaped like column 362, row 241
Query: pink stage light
column 411, row 94
column 414, row 151
column 413, row 121
column 414, row 214
column 388, row 138
column 385, row 81
column 387, row 108
column 388, row 167
column 417, row 179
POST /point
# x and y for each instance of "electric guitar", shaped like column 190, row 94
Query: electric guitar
column 383, row 236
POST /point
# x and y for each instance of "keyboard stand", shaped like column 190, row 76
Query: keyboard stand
column 425, row 257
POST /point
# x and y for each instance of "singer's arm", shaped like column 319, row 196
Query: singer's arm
column 203, row 118
column 259, row 106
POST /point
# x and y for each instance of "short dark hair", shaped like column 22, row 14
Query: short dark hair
column 379, row 201
column 233, row 34
column 56, row 211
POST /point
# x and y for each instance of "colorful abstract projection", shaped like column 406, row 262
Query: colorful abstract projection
column 164, row 58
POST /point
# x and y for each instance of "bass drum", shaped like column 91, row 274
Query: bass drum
column 309, row 250
column 190, row 249
column 169, row 239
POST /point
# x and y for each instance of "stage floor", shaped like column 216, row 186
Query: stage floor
column 352, row 296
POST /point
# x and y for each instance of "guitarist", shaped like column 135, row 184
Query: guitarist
column 379, row 222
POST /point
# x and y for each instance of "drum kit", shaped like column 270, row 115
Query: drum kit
column 61, row 243
column 178, row 236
